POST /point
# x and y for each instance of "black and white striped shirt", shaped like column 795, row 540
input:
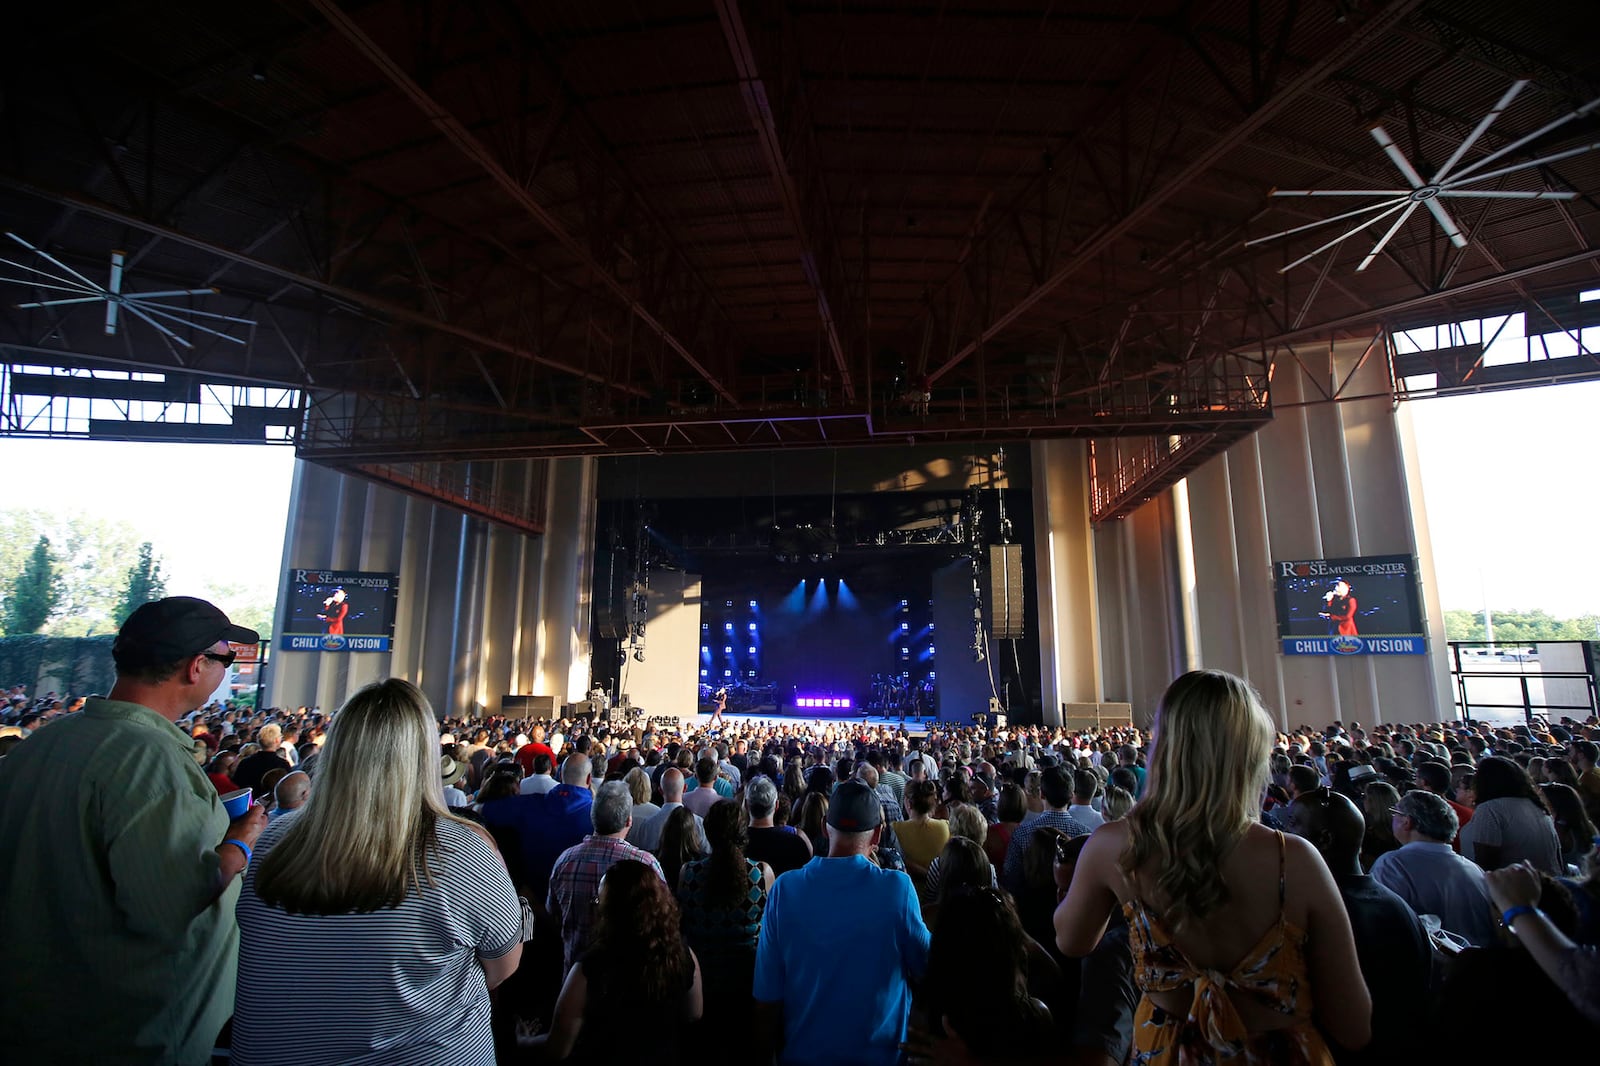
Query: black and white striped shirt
column 393, row 986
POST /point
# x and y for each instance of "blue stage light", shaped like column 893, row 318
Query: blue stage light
column 752, row 605
column 752, row 649
column 752, row 627
column 727, row 649
column 728, row 626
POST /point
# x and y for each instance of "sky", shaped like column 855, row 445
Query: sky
column 1509, row 483
column 1508, row 479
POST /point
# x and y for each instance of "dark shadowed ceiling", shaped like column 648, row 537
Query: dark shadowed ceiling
column 483, row 230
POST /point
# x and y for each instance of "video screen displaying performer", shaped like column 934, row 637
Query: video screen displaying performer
column 1339, row 608
column 339, row 610
column 1367, row 596
column 334, row 610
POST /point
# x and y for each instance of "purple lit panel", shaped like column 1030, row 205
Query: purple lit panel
column 838, row 702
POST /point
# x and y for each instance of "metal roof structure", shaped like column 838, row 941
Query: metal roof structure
column 450, row 232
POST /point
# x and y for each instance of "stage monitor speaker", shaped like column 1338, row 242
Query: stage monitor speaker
column 1005, row 591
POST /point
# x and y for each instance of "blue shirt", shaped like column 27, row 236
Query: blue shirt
column 841, row 970
column 545, row 826
column 1433, row 879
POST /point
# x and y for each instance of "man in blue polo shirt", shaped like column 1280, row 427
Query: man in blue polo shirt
column 839, row 943
column 545, row 825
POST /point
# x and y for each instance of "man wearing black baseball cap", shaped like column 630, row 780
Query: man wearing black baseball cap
column 841, row 941
column 127, row 858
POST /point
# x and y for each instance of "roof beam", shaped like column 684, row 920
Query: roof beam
column 389, row 310
column 1347, row 50
column 479, row 153
column 759, row 105
column 1377, row 314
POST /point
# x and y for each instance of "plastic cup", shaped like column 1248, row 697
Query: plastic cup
column 236, row 803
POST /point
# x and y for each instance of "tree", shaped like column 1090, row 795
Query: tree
column 144, row 583
column 34, row 594
column 91, row 555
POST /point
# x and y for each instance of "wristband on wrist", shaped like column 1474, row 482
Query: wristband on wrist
column 248, row 854
column 1514, row 913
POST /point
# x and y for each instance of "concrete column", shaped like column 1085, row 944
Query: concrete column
column 1064, row 576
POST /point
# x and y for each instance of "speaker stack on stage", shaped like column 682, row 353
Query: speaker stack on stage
column 1004, row 598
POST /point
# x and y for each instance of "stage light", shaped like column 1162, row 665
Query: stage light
column 727, row 649
column 932, row 675
column 752, row 649
column 705, row 673
column 905, row 627
column 752, row 627
column 930, row 651
column 727, row 673
column 728, row 626
column 905, row 605
column 705, row 625
column 752, row 605
column 752, row 673
column 704, row 650
column 727, row 603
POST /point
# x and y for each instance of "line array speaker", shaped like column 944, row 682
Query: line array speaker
column 1005, row 591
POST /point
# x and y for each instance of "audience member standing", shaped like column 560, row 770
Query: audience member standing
column 1055, row 783
column 840, row 943
column 647, row 837
column 1510, row 822
column 402, row 916
column 722, row 899
column 118, row 865
column 637, row 967
column 1392, row 946
column 781, row 849
column 575, row 879
column 545, row 826
column 1241, row 945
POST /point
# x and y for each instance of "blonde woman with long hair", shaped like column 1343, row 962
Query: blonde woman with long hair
column 389, row 917
column 1241, row 946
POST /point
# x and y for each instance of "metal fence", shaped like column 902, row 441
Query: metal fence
column 1502, row 683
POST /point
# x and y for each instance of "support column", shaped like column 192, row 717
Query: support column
column 1064, row 573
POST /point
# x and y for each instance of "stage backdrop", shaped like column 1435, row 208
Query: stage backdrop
column 819, row 631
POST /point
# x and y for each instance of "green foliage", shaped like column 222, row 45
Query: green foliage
column 92, row 554
column 247, row 605
column 143, row 584
column 1520, row 627
column 34, row 593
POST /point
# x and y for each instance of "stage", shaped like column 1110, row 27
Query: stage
column 913, row 725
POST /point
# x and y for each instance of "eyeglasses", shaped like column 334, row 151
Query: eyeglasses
column 1398, row 813
column 218, row 657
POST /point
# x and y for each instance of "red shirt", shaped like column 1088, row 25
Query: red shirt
column 1463, row 815
column 526, row 753
column 223, row 784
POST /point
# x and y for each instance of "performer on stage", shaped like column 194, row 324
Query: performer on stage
column 716, row 712
column 1340, row 604
column 335, row 609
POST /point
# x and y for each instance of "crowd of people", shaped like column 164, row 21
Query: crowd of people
column 416, row 889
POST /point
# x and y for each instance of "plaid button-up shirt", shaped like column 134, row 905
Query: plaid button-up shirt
column 575, row 886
